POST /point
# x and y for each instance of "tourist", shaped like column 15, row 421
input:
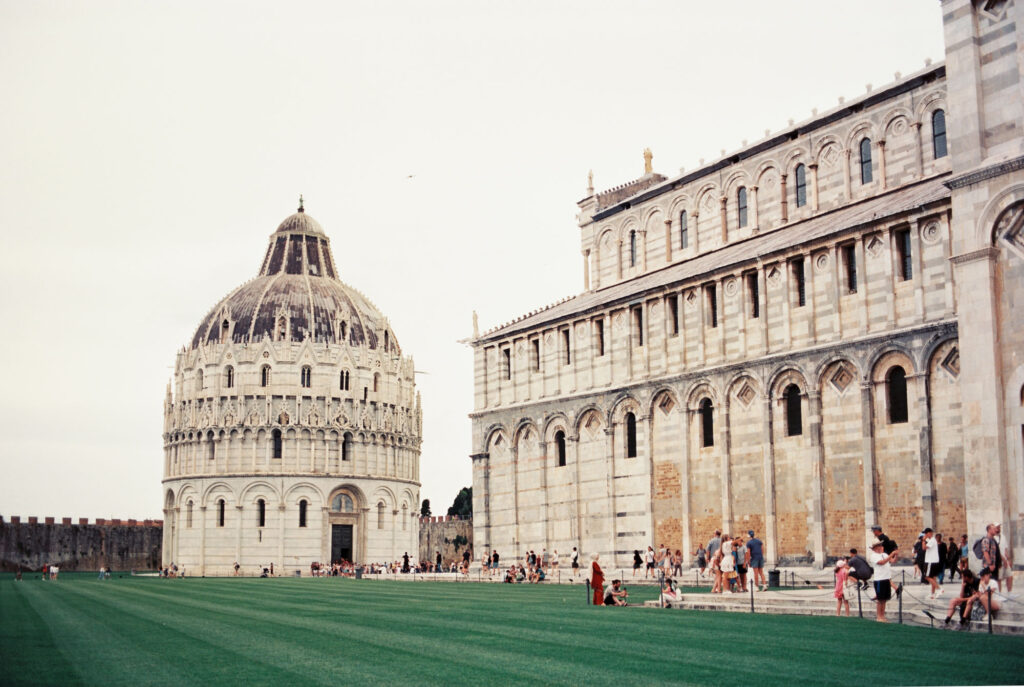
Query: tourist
column 919, row 564
column 756, row 549
column 888, row 543
column 1008, row 565
column 932, row 566
column 495, row 560
column 713, row 544
column 649, row 560
column 545, row 558
column 575, row 562
column 614, row 596
column 742, row 560
column 437, row 562
column 405, row 562
column 100, row 577
column 669, row 593
column 943, row 555
column 596, row 579
column 841, row 572
column 716, row 571
column 677, row 563
column 554, row 561
column 985, row 596
column 990, row 554
column 702, row 559
column 727, row 564
column 237, row 568
column 858, row 569
column 637, row 561
column 968, row 588
column 953, row 558
column 881, row 561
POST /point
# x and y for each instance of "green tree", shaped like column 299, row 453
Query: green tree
column 425, row 508
column 463, row 506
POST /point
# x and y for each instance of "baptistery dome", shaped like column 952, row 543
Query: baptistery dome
column 292, row 431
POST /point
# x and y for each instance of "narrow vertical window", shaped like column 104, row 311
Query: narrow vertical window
column 939, row 134
column 741, row 205
column 632, row 248
column 565, row 346
column 801, row 186
column 707, row 423
column 673, row 313
column 220, row 513
column 896, row 392
column 850, row 262
column 188, row 516
column 630, row 435
column 560, row 447
column 225, row 326
column 865, row 161
column 306, row 376
column 261, row 513
column 302, row 513
column 211, row 446
column 794, row 414
column 712, row 299
column 376, row 382
column 380, row 515
column 599, row 336
column 506, row 363
column 535, row 354
column 229, row 377
column 276, row 437
column 684, row 231
column 753, row 293
column 343, row 380
column 346, row 447
column 282, row 328
column 265, row 375
column 638, row 325
column 903, row 251
column 799, row 282
column 199, row 380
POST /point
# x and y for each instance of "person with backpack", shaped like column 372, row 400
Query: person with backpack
column 987, row 549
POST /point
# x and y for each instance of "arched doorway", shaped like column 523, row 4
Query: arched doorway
column 345, row 528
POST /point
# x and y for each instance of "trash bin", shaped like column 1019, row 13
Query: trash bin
column 298, row 573
column 773, row 578
column 359, row 573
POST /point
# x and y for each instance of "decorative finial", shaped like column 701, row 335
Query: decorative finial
column 590, row 183
column 476, row 326
column 301, row 209
column 648, row 156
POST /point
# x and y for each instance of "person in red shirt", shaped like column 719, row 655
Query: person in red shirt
column 597, row 581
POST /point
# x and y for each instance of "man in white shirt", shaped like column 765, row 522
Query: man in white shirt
column 932, row 566
column 881, row 561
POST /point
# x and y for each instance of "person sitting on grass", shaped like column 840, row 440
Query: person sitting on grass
column 985, row 585
column 614, row 596
column 968, row 588
column 669, row 593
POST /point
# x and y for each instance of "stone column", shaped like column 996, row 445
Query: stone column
column 847, row 185
column 919, row 145
column 684, row 480
column 642, row 235
column 618, row 261
column 771, row 542
column 924, row 447
column 610, row 488
column 862, row 285
column 814, row 185
column 177, row 534
column 867, row 430
column 202, row 541
column 812, row 326
column 514, row 453
column 695, row 233
column 238, row 532
column 783, row 203
column 917, row 260
column 755, row 228
column 542, row 447
column 668, row 240
column 325, row 534
column 167, row 549
column 724, row 212
column 586, row 270
column 762, row 295
column 817, row 477
column 881, row 163
column 726, row 434
column 576, row 534
column 280, row 538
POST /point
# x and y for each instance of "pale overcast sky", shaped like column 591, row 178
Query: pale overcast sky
column 148, row 149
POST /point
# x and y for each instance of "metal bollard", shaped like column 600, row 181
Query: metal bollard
column 860, row 609
column 588, row 592
column 751, row 588
column 899, row 598
column 989, row 609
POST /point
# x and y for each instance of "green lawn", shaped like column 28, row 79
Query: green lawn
column 148, row 631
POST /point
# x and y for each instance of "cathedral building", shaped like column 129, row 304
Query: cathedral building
column 292, row 433
column 808, row 336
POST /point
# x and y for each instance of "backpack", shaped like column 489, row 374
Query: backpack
column 978, row 549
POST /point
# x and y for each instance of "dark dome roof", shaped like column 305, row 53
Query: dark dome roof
column 296, row 296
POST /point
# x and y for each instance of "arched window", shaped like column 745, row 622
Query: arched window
column 211, row 446
column 307, row 376
column 225, row 330
column 560, row 447
column 939, row 134
column 896, row 391
column 343, row 380
column 794, row 413
column 684, row 231
column 282, row 328
column 343, row 331
column 630, row 435
column 229, row 377
column 343, row 503
column 387, row 341
column 741, row 205
column 265, row 375
column 278, row 444
column 865, row 161
column 346, row 447
column 632, row 248
column 707, row 422
column 380, row 515
column 199, row 380
column 261, row 513
column 188, row 515
column 220, row 512
column 303, row 505
column 801, row 186
column 376, row 381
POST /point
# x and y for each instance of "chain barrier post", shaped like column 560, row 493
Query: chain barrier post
column 588, row 592
column 751, row 587
column 899, row 597
column 860, row 609
column 989, row 609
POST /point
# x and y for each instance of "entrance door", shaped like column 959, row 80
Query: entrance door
column 341, row 543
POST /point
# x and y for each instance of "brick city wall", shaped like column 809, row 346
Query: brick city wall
column 116, row 544
column 448, row 534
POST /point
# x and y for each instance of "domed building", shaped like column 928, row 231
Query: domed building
column 292, row 433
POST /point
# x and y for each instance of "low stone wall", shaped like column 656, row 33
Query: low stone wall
column 116, row 544
column 448, row 534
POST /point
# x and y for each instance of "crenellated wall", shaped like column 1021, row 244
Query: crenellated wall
column 115, row 544
column 448, row 534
